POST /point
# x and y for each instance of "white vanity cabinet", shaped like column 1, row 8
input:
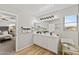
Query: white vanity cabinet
column 53, row 44
column 47, row 42
column 40, row 40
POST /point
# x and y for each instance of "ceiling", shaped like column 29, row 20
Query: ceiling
column 27, row 8
column 25, row 11
column 35, row 9
column 51, row 8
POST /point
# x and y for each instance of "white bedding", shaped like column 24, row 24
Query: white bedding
column 5, row 35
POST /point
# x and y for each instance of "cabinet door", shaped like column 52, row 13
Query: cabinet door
column 53, row 44
column 44, row 42
column 40, row 40
column 50, row 43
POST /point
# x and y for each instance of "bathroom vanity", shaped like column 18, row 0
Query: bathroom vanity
column 48, row 42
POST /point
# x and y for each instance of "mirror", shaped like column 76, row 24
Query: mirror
column 40, row 27
column 70, row 23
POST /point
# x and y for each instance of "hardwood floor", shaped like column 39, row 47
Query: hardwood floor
column 34, row 50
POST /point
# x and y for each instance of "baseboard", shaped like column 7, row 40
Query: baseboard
column 24, row 47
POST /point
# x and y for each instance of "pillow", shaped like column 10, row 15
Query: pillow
column 5, row 32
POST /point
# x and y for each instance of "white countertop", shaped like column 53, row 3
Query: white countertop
column 46, row 35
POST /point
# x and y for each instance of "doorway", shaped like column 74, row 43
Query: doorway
column 8, row 22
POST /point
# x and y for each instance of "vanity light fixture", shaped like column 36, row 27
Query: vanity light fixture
column 48, row 17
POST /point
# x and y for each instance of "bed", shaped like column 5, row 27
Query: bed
column 5, row 36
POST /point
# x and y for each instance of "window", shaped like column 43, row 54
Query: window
column 71, row 23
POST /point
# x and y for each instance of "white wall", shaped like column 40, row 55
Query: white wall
column 72, row 10
column 73, row 36
column 24, row 19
